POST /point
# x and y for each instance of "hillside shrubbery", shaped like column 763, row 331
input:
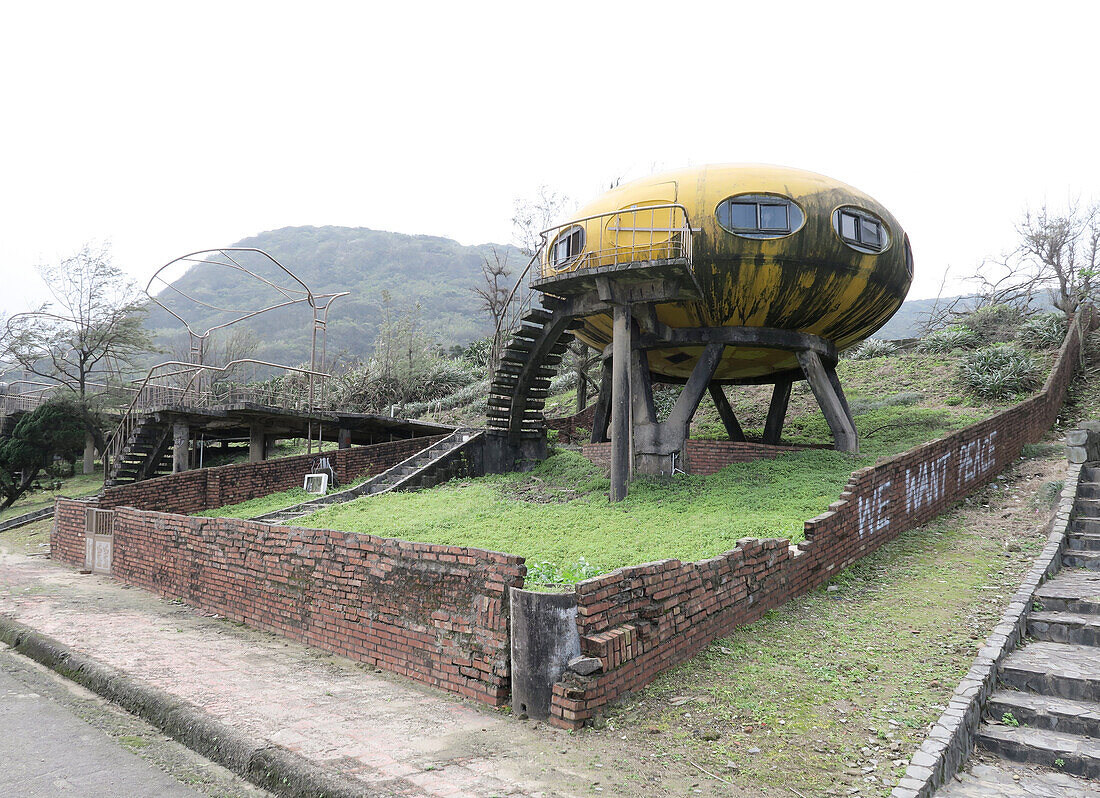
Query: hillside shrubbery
column 874, row 347
column 999, row 372
column 958, row 336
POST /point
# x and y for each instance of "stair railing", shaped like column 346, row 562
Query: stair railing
column 173, row 389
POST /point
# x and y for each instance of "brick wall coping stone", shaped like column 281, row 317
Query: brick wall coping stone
column 952, row 737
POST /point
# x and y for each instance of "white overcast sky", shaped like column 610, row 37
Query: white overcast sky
column 170, row 127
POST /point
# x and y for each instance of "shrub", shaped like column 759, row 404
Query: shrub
column 1045, row 331
column 994, row 323
column 874, row 347
column 998, row 372
column 955, row 337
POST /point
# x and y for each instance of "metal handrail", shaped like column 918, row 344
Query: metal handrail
column 667, row 235
column 149, row 395
column 26, row 400
column 678, row 245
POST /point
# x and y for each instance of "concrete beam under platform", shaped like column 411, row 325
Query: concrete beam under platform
column 236, row 423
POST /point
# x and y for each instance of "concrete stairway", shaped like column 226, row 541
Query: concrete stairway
column 428, row 467
column 521, row 383
column 1047, row 710
column 146, row 454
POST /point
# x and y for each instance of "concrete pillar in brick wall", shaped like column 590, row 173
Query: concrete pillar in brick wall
column 1083, row 443
column 181, row 446
column 257, row 450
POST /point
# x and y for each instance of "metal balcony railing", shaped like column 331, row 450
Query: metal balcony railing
column 631, row 235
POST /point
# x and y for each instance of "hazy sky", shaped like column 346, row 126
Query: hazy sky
column 170, row 127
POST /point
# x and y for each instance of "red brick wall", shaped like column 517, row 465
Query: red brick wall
column 703, row 457
column 203, row 489
column 644, row 619
column 569, row 426
column 437, row 614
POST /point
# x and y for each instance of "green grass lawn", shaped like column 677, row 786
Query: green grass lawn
column 75, row 486
column 558, row 516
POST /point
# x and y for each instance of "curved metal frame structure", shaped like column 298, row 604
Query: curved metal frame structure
column 320, row 303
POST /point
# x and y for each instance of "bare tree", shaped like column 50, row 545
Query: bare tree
column 1058, row 251
column 583, row 359
column 496, row 297
column 91, row 331
column 530, row 216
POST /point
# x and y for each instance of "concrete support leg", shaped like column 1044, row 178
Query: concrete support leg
column 657, row 444
column 181, row 446
column 733, row 428
column 620, row 403
column 684, row 409
column 777, row 412
column 89, row 453
column 833, row 405
column 343, row 438
column 641, row 389
column 256, row 448
column 601, row 416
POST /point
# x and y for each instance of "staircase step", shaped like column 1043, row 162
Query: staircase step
column 1086, row 523
column 1084, row 541
column 1071, row 590
column 1054, row 669
column 1081, row 559
column 1088, row 490
column 538, row 316
column 1046, row 712
column 1079, row 756
column 1065, row 627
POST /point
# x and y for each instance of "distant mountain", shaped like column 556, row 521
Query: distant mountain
column 436, row 272
column 910, row 318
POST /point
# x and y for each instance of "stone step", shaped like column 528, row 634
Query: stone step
column 1081, row 559
column 1088, row 490
column 1045, row 712
column 1071, row 590
column 1065, row 627
column 1084, row 541
column 1086, row 523
column 1054, row 669
column 1068, row 753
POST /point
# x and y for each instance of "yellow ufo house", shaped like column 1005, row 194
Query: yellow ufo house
column 707, row 276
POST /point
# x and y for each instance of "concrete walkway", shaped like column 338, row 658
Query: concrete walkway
column 394, row 736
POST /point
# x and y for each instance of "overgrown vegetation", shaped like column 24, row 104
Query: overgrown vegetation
column 958, row 336
column 874, row 347
column 1045, row 331
column 999, row 372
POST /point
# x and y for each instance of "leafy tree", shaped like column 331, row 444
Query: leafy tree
column 52, row 429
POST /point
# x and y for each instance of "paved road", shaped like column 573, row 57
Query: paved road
column 57, row 739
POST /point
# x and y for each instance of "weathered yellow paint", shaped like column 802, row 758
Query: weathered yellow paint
column 809, row 280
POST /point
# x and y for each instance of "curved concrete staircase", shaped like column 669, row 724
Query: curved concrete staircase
column 521, row 383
